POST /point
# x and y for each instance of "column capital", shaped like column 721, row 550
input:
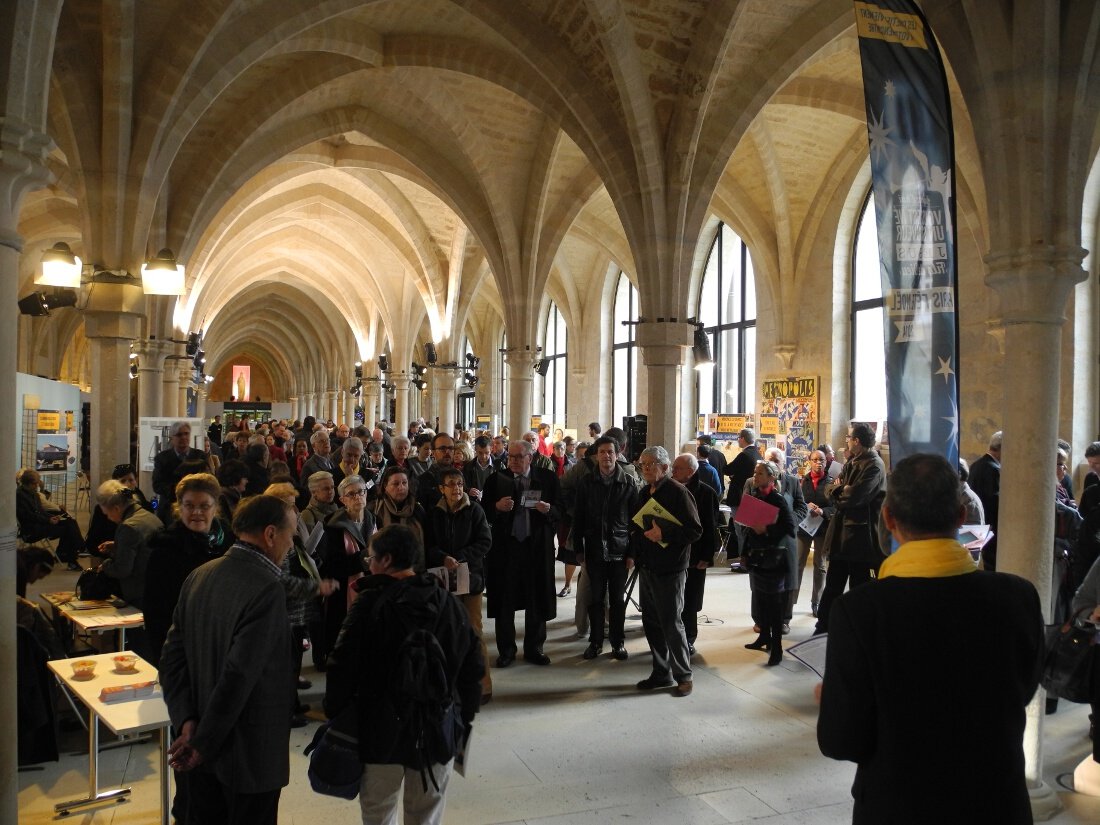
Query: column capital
column 114, row 308
column 664, row 343
column 522, row 357
column 1034, row 283
column 23, row 152
column 153, row 350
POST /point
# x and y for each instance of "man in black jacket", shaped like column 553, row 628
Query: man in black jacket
column 739, row 471
column 170, row 465
column 685, row 469
column 363, row 670
column 660, row 547
column 985, row 480
column 884, row 702
column 605, row 503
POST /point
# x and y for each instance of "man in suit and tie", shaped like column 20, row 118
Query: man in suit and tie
column 521, row 502
column 170, row 465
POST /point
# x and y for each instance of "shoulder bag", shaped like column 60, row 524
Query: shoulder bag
column 1067, row 669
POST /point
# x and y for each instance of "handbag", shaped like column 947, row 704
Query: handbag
column 93, row 585
column 334, row 765
column 1067, row 669
column 764, row 558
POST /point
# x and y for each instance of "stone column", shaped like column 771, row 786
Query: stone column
column 1033, row 285
column 349, row 408
column 200, row 401
column 664, row 346
column 294, row 408
column 186, row 379
column 334, row 405
column 112, row 320
column 445, row 405
column 401, row 394
column 309, row 401
column 170, row 391
column 521, row 362
column 151, row 354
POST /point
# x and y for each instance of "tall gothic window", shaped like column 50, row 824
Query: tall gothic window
column 503, row 373
column 727, row 310
column 624, row 352
column 868, row 362
column 553, row 354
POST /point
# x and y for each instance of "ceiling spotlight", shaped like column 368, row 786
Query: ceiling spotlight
column 358, row 369
column 419, row 369
column 133, row 371
column 700, row 350
column 383, row 363
column 472, row 361
column 34, row 305
column 419, row 383
column 60, row 267
column 470, row 380
column 194, row 342
column 542, row 366
column 431, row 354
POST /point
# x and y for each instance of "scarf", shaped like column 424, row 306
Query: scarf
column 387, row 512
column 928, row 558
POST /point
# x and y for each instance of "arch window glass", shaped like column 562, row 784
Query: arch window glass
column 624, row 352
column 868, row 363
column 727, row 311
column 503, row 373
column 553, row 354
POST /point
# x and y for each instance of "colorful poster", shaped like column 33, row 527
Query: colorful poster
column 912, row 161
column 53, row 454
column 49, row 421
column 792, row 404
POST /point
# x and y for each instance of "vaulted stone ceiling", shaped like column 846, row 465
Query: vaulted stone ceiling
column 346, row 177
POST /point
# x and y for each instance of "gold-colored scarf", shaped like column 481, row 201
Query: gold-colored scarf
column 928, row 558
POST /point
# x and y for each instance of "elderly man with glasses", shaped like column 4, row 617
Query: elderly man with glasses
column 170, row 465
column 665, row 526
column 521, row 502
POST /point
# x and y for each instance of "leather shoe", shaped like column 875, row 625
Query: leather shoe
column 761, row 643
column 593, row 650
column 486, row 698
column 756, row 628
column 691, row 649
column 653, row 683
column 505, row 659
column 619, row 652
column 536, row 658
column 786, row 628
column 298, row 721
column 304, row 684
column 775, row 656
column 682, row 689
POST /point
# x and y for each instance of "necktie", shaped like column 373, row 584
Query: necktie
column 520, row 526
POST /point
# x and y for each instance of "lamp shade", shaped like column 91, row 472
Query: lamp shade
column 60, row 267
column 162, row 275
column 700, row 350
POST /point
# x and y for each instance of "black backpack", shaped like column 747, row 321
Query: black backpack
column 419, row 689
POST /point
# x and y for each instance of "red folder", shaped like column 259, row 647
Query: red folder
column 752, row 512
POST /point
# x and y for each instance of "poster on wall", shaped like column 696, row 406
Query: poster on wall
column 53, row 453
column 242, row 382
column 793, row 404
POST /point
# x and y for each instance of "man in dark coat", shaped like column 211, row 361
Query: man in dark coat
column 605, row 503
column 225, row 670
column 521, row 502
column 985, row 480
column 661, row 546
column 854, row 549
column 169, row 466
column 685, row 469
column 814, row 485
column 739, row 471
column 884, row 704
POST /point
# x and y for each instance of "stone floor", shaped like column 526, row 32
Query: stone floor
column 575, row 743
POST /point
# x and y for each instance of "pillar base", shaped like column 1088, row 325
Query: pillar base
column 1045, row 803
column 1086, row 777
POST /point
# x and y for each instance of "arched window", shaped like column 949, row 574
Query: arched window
column 868, row 362
column 624, row 353
column 554, row 366
column 727, row 311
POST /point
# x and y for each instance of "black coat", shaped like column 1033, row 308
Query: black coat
column 167, row 473
column 819, row 496
column 779, row 534
column 857, row 496
column 739, row 471
column 363, row 662
column 173, row 553
column 463, row 534
column 602, row 514
column 521, row 577
column 706, row 502
column 675, row 498
column 885, row 704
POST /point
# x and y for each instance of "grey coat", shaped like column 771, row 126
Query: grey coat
column 226, row 664
column 131, row 553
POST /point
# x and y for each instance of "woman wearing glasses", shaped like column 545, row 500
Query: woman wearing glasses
column 195, row 537
column 343, row 557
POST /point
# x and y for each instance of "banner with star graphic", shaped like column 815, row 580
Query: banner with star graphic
column 912, row 178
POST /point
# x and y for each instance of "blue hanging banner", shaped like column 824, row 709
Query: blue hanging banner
column 912, row 177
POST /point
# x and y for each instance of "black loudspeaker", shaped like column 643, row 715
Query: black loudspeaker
column 636, row 428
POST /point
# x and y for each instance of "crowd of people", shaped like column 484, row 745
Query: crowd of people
column 331, row 538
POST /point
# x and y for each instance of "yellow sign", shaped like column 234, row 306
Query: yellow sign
column 769, row 425
column 68, row 420
column 731, row 423
column 876, row 23
column 535, row 421
column 49, row 421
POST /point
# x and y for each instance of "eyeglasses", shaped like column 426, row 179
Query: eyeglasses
column 444, row 449
column 196, row 508
column 649, row 465
column 453, row 485
column 355, row 493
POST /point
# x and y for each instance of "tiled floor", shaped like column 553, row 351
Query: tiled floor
column 577, row 744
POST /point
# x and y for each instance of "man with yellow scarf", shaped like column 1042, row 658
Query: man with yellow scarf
column 930, row 668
